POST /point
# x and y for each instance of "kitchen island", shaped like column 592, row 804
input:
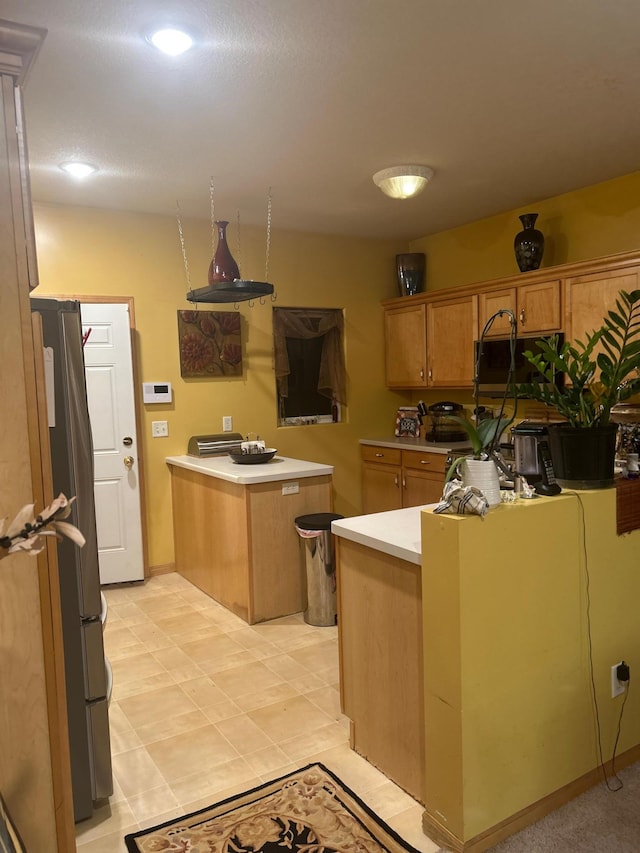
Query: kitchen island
column 234, row 529
column 522, row 615
column 380, row 641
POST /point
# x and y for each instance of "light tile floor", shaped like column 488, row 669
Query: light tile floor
column 205, row 706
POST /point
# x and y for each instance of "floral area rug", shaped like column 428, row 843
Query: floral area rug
column 309, row 810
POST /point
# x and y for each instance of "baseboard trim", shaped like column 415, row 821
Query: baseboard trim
column 438, row 833
column 164, row 569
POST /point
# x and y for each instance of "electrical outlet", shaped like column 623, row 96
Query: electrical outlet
column 227, row 423
column 159, row 429
column 290, row 488
column 617, row 687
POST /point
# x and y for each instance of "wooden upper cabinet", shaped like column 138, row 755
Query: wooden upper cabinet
column 452, row 327
column 588, row 298
column 489, row 304
column 535, row 306
column 430, row 338
column 406, row 346
column 539, row 308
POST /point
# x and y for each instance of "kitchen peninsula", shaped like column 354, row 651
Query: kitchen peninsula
column 234, row 529
column 467, row 659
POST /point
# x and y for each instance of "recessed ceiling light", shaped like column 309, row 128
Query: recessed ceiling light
column 172, row 42
column 78, row 170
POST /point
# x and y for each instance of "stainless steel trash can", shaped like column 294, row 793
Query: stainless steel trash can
column 318, row 567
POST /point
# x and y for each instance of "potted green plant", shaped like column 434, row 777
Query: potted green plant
column 600, row 372
column 479, row 468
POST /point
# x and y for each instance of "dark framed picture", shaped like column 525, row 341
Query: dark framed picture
column 210, row 343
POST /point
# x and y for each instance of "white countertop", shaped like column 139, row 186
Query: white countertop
column 397, row 532
column 419, row 444
column 278, row 468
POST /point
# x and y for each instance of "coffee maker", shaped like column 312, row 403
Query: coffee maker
column 527, row 435
column 532, row 459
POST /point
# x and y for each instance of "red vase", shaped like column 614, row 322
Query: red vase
column 222, row 267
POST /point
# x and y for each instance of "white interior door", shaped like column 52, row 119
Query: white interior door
column 109, row 375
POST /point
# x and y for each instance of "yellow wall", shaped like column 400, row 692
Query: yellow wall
column 87, row 251
column 589, row 223
column 84, row 251
column 508, row 706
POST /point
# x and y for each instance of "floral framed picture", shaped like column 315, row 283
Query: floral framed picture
column 210, row 343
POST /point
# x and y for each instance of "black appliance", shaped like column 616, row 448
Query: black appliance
column 493, row 365
column 83, row 607
column 533, row 457
column 440, row 427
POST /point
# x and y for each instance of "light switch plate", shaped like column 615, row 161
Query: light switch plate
column 159, row 429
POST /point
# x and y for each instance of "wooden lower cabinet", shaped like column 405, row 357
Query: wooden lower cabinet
column 381, row 661
column 394, row 478
column 238, row 543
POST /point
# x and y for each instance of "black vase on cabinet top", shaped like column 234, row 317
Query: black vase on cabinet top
column 528, row 244
column 410, row 271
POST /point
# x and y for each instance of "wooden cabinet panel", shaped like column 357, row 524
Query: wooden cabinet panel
column 406, row 346
column 376, row 453
column 434, row 463
column 535, row 306
column 420, row 487
column 380, row 597
column 381, row 487
column 491, row 302
column 589, row 297
column 452, row 327
column 539, row 308
column 416, row 478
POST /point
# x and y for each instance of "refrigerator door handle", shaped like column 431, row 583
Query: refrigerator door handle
column 100, row 754
column 109, row 676
column 94, row 671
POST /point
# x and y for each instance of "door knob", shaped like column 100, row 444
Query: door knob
column 127, row 441
column 128, row 461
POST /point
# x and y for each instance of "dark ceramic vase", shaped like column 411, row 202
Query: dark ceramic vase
column 222, row 267
column 410, row 271
column 528, row 244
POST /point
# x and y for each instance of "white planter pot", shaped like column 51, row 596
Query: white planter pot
column 483, row 474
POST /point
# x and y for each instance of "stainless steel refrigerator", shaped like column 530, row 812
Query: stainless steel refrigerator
column 87, row 672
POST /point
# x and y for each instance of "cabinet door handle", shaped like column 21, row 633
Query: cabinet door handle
column 395, row 480
column 379, row 455
column 422, row 373
column 430, row 374
column 404, row 483
column 522, row 316
column 425, row 462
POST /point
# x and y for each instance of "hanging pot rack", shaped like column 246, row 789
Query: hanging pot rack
column 238, row 290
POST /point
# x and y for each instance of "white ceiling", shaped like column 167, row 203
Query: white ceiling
column 510, row 101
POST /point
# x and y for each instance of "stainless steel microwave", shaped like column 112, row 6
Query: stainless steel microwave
column 495, row 358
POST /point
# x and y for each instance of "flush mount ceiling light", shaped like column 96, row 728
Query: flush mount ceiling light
column 78, row 170
column 403, row 181
column 170, row 41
